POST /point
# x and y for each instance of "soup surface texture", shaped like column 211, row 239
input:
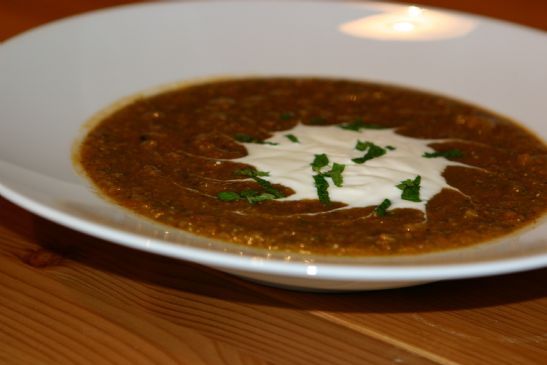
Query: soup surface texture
column 321, row 166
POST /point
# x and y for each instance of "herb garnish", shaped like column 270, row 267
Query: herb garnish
column 381, row 210
column 251, row 172
column 322, row 186
column 245, row 138
column 372, row 151
column 336, row 174
column 318, row 121
column 454, row 153
column 292, row 138
column 228, row 196
column 253, row 196
column 319, row 162
column 286, row 116
column 321, row 182
column 359, row 124
column 391, row 148
column 411, row 189
column 266, row 185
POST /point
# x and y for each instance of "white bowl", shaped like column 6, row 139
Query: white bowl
column 55, row 78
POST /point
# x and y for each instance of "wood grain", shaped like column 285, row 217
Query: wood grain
column 67, row 298
column 90, row 300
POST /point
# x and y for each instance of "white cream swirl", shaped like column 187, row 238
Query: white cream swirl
column 367, row 184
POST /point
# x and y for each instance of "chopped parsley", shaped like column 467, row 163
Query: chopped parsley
column 381, row 210
column 336, row 174
column 359, row 124
column 391, row 148
column 253, row 196
column 292, row 138
column 411, row 189
column 228, row 196
column 322, row 186
column 286, row 116
column 249, row 192
column 250, row 172
column 319, row 162
column 320, row 180
column 267, row 186
column 454, row 153
column 372, row 151
column 245, row 138
column 253, row 199
column 318, row 121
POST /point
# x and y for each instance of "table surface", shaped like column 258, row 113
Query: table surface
column 67, row 298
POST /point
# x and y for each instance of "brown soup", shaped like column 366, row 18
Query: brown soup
column 169, row 157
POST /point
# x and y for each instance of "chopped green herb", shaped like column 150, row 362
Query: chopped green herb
column 336, row 174
column 241, row 137
column 252, row 196
column 454, row 153
column 319, row 162
column 292, row 138
column 381, row 209
column 322, row 186
column 251, row 172
column 228, row 196
column 359, row 124
column 362, row 146
column 286, row 116
column 245, row 138
column 260, row 198
column 411, row 189
column 372, row 151
column 247, row 193
column 318, row 120
column 391, row 148
column 266, row 185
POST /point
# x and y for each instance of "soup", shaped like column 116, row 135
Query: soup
column 322, row 166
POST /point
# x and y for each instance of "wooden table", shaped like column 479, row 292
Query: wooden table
column 67, row 298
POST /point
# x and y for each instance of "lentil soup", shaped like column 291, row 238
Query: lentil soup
column 322, row 166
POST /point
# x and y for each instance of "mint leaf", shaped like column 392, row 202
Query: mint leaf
column 322, row 187
column 318, row 121
column 251, row 172
column 286, row 116
column 336, row 174
column 359, row 124
column 381, row 210
column 245, row 138
column 411, row 189
column 253, row 199
column 319, row 162
column 248, row 193
column 267, row 186
column 454, row 153
column 372, row 151
column 228, row 196
column 292, row 138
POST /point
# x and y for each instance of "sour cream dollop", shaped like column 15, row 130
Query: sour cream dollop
column 366, row 184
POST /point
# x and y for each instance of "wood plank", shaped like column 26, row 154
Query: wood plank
column 89, row 299
column 497, row 320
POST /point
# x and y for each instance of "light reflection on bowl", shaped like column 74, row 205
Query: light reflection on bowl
column 408, row 23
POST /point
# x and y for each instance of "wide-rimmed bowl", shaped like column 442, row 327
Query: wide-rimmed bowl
column 55, row 78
